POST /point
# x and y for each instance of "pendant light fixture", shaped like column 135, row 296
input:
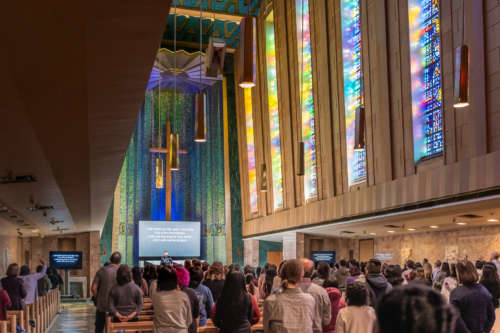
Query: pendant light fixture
column 247, row 50
column 462, row 70
column 263, row 178
column 159, row 160
column 174, row 152
column 359, row 129
column 174, row 137
column 301, row 170
column 200, row 130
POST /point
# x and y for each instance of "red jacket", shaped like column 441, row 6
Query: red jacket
column 4, row 304
column 337, row 304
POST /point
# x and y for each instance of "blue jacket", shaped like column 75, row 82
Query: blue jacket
column 475, row 305
column 206, row 302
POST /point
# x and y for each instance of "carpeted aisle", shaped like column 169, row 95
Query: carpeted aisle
column 75, row 318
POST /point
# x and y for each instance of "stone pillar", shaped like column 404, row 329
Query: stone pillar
column 251, row 256
column 293, row 245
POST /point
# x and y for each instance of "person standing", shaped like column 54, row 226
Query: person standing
column 126, row 298
column 332, row 288
column 377, row 283
column 172, row 306
column 44, row 284
column 494, row 259
column 204, row 294
column 233, row 310
column 322, row 313
column 5, row 303
column 449, row 283
column 104, row 281
column 291, row 310
column 183, row 279
column 491, row 281
column 31, row 282
column 341, row 274
column 437, row 268
column 357, row 317
column 166, row 260
column 473, row 300
column 14, row 286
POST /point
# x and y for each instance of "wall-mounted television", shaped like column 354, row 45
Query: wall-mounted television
column 323, row 256
column 66, row 259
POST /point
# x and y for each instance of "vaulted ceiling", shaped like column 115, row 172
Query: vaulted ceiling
column 73, row 75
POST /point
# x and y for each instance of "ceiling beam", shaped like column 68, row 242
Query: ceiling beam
column 191, row 45
column 208, row 14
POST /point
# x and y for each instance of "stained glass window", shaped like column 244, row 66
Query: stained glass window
column 306, row 97
column 425, row 63
column 252, row 171
column 273, row 108
column 353, row 86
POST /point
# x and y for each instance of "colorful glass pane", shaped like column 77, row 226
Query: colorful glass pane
column 425, row 62
column 252, row 171
column 273, row 109
column 353, row 86
column 306, row 97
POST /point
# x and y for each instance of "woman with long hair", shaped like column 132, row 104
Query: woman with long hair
column 491, row 281
column 214, row 279
column 251, row 287
column 449, row 283
column 443, row 273
column 267, row 287
column 473, row 300
column 139, row 280
column 233, row 311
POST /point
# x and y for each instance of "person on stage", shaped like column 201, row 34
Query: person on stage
column 166, row 260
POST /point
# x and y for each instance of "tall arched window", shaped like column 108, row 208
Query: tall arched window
column 306, row 98
column 273, row 109
column 252, row 171
column 353, row 87
column 425, row 63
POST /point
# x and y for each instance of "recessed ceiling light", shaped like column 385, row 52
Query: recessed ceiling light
column 433, row 227
column 35, row 230
column 391, row 231
column 411, row 229
column 462, row 223
column 493, row 220
column 372, row 233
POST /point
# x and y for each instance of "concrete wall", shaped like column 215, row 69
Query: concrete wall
column 9, row 252
column 36, row 248
column 471, row 243
column 492, row 54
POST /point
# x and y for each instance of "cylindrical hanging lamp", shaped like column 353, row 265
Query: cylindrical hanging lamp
column 359, row 129
column 301, row 160
column 247, row 52
column 200, row 129
column 174, row 152
column 159, row 172
column 462, row 77
column 263, row 178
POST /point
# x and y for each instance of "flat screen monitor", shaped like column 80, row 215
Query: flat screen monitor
column 180, row 238
column 323, row 256
column 66, row 259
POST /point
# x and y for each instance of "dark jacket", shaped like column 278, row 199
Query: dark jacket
column 377, row 286
column 14, row 286
column 475, row 306
column 195, row 308
column 494, row 290
column 215, row 287
column 237, row 320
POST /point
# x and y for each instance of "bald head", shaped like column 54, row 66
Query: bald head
column 308, row 267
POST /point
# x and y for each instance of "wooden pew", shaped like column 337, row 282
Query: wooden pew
column 11, row 323
column 19, row 315
column 142, row 326
column 3, row 327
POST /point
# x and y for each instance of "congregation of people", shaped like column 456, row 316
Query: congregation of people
column 21, row 287
column 299, row 296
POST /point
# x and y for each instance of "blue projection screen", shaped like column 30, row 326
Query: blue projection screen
column 180, row 239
